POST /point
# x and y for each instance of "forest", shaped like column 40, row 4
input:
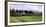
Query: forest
column 14, row 12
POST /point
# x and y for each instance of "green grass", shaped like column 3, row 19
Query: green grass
column 14, row 19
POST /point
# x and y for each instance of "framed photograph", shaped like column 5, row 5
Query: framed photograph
column 24, row 13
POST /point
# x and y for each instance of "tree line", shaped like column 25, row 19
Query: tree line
column 13, row 11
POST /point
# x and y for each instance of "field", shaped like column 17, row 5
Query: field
column 14, row 19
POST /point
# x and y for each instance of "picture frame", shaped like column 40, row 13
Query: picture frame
column 21, row 24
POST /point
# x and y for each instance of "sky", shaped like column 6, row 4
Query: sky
column 26, row 7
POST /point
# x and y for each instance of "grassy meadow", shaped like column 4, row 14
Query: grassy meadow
column 14, row 19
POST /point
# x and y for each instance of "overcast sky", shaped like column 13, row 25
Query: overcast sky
column 26, row 7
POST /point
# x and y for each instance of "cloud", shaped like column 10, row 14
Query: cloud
column 26, row 7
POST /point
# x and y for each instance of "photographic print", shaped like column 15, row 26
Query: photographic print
column 25, row 13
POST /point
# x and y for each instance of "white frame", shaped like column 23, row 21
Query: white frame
column 25, row 22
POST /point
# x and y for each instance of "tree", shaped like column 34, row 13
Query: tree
column 12, row 12
column 16, row 10
column 26, row 11
column 20, row 11
column 30, row 12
